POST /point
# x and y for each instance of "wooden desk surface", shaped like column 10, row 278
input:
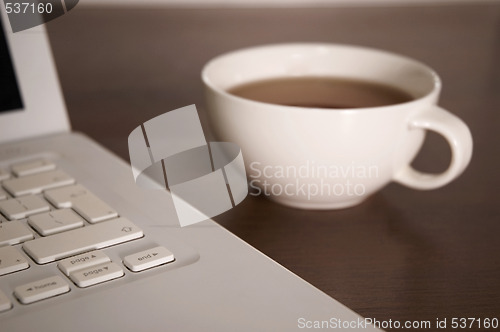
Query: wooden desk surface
column 401, row 255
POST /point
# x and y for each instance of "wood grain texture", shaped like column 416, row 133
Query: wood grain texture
column 401, row 255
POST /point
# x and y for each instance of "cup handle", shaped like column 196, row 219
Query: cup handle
column 458, row 135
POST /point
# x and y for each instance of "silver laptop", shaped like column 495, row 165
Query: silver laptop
column 82, row 248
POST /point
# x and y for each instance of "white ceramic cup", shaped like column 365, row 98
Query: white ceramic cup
column 331, row 158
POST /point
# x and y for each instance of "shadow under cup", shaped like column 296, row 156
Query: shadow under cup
column 330, row 158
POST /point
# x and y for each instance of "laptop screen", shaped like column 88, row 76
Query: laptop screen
column 10, row 98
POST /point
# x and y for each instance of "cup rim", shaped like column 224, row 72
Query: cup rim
column 436, row 80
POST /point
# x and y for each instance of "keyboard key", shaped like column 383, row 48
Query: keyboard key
column 148, row 258
column 33, row 167
column 5, row 303
column 41, row 289
column 55, row 221
column 63, row 197
column 36, row 183
column 96, row 274
column 3, row 194
column 62, row 245
column 19, row 208
column 93, row 209
column 82, row 201
column 11, row 260
column 14, row 232
column 4, row 175
column 72, row 264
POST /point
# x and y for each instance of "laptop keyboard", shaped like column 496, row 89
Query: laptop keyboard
column 46, row 217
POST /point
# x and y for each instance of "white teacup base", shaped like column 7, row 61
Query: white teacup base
column 315, row 205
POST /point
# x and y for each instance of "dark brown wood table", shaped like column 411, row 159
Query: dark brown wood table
column 401, row 255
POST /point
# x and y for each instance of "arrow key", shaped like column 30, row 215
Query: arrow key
column 96, row 274
column 41, row 289
column 83, row 261
column 148, row 258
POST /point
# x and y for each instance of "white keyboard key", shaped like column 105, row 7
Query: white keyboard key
column 62, row 245
column 5, row 303
column 36, row 183
column 148, row 258
column 83, row 261
column 56, row 221
column 82, row 201
column 63, row 197
column 3, row 194
column 21, row 207
column 93, row 209
column 33, row 167
column 41, row 289
column 11, row 260
column 96, row 274
column 13, row 232
column 4, row 175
